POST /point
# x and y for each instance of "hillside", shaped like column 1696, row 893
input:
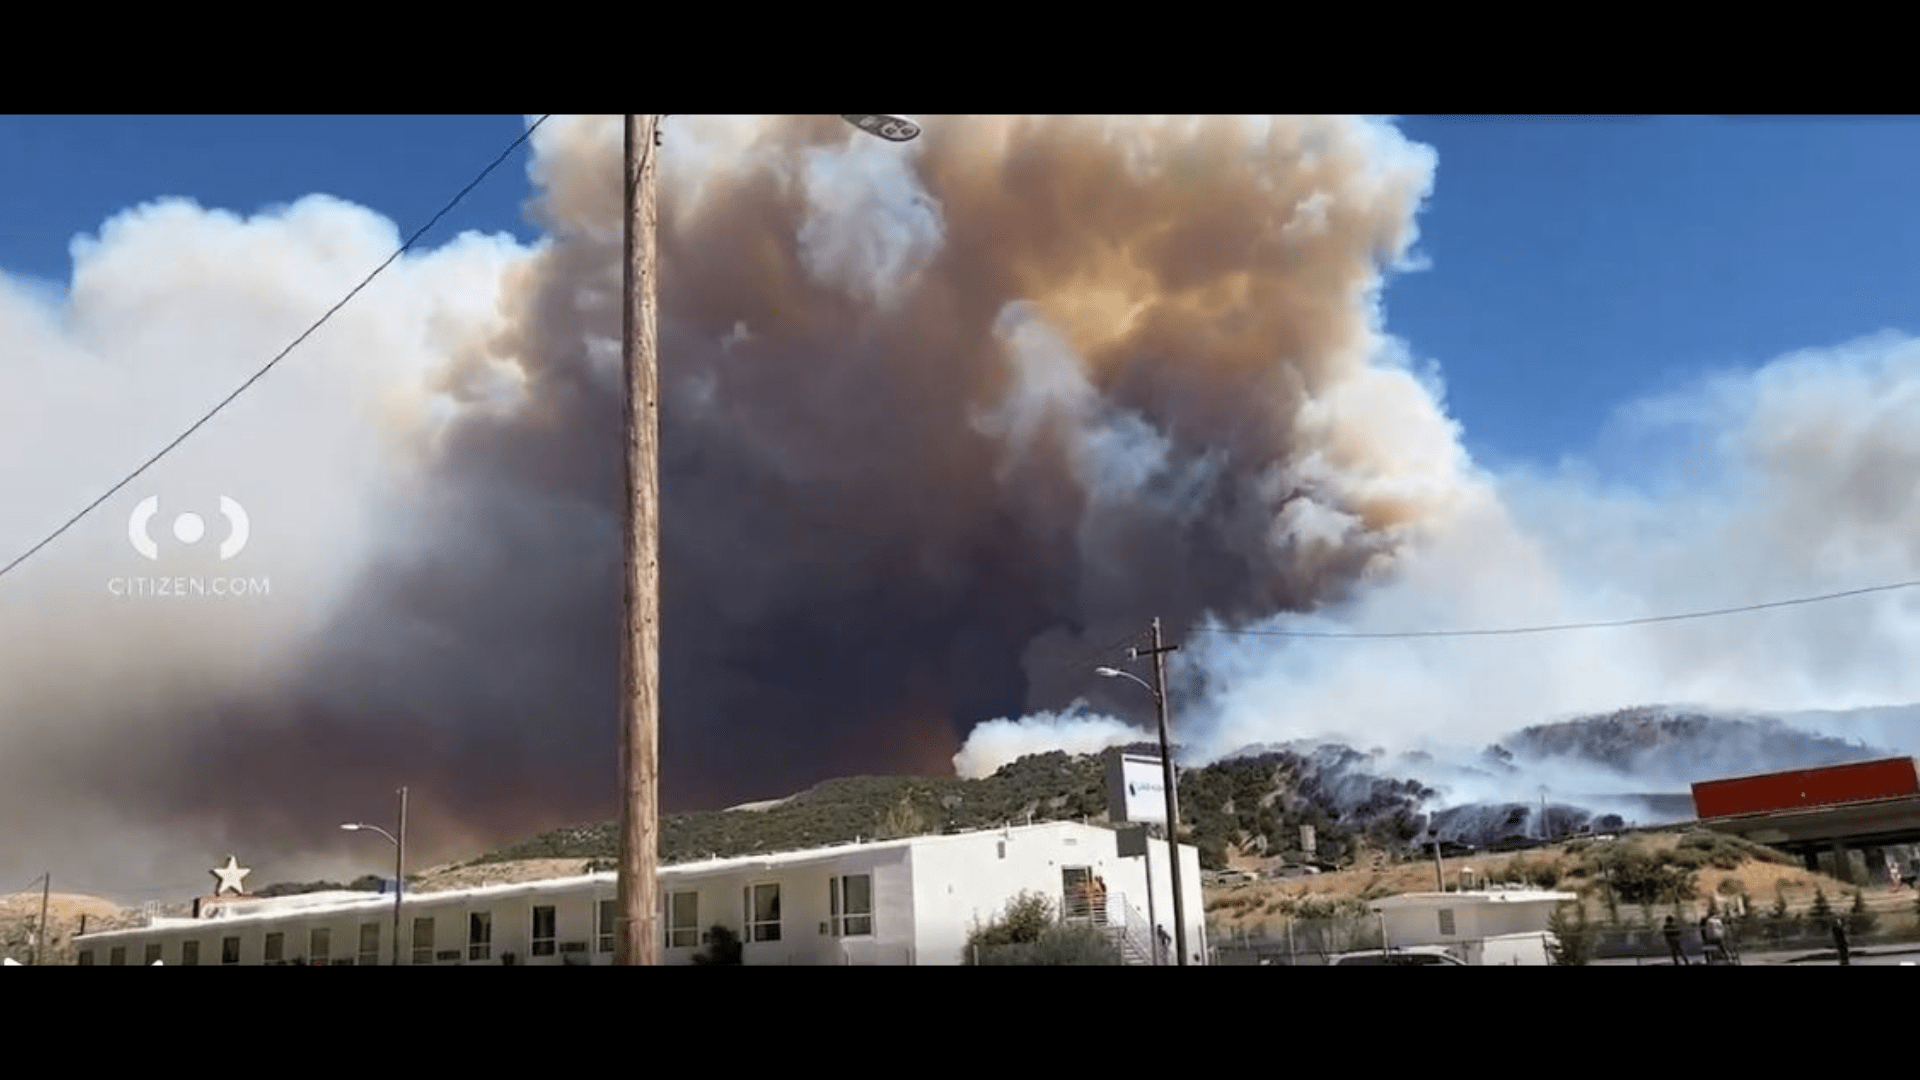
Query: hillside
column 1367, row 809
column 1252, row 806
column 1647, row 877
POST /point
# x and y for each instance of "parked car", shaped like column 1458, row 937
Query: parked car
column 1415, row 956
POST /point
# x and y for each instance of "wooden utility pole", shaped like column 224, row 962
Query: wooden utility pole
column 636, row 935
column 40, row 932
column 1159, row 653
column 399, row 873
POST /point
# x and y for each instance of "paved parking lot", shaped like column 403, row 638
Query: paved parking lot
column 1870, row 958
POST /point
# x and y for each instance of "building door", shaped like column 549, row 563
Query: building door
column 1076, row 893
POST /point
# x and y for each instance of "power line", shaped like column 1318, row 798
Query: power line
column 368, row 280
column 1511, row 631
column 1098, row 654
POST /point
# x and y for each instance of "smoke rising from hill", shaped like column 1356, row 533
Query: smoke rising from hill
column 1792, row 480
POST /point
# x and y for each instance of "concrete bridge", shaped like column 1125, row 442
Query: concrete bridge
column 1850, row 841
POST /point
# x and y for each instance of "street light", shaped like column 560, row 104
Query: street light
column 1158, row 690
column 399, row 864
column 636, row 940
column 1116, row 673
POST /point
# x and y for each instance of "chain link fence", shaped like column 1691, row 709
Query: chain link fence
column 1297, row 942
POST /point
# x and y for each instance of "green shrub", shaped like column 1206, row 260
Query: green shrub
column 1573, row 939
column 1642, row 879
column 723, row 949
column 1026, row 918
column 1860, row 918
column 1057, row 946
column 1821, row 909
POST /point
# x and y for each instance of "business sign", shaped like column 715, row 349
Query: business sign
column 1136, row 791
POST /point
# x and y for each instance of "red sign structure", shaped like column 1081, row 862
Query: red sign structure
column 1805, row 789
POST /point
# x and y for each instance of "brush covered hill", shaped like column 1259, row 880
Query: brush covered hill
column 1679, row 746
column 1247, row 805
column 1249, row 808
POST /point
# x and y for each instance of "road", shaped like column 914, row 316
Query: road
column 1871, row 958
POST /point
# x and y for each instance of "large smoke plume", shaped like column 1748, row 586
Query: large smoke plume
column 938, row 421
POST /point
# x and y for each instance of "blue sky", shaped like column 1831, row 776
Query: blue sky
column 1576, row 264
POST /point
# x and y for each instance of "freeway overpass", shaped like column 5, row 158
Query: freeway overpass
column 1863, row 829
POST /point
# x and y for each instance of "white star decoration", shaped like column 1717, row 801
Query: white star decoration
column 230, row 876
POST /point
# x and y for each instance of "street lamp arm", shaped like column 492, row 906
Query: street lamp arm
column 1116, row 673
column 372, row 829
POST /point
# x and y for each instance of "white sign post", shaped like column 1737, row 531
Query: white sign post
column 1136, row 795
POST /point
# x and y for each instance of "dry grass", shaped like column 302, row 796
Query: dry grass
column 21, row 911
column 1253, row 909
column 443, row 878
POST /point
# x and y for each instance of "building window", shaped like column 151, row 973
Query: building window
column 230, row 950
column 117, row 956
column 763, row 912
column 1446, row 921
column 851, row 904
column 683, row 920
column 189, row 954
column 545, row 930
column 609, row 914
column 86, row 957
column 319, row 947
column 480, row 935
column 370, row 943
column 153, row 955
column 423, row 941
column 276, row 948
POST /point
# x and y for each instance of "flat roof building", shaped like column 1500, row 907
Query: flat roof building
column 912, row 901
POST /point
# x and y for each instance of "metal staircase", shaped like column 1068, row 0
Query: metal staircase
column 1121, row 924
column 1133, row 936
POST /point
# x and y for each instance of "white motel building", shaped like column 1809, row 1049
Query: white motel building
column 901, row 902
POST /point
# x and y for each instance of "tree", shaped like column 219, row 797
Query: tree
column 1781, row 921
column 1860, row 918
column 1573, row 941
column 1821, row 910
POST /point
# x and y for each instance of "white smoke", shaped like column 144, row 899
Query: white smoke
column 170, row 308
column 1795, row 479
column 1076, row 731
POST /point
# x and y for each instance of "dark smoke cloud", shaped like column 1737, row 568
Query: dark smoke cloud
column 935, row 419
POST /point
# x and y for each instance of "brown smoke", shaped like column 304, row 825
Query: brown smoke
column 935, row 420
